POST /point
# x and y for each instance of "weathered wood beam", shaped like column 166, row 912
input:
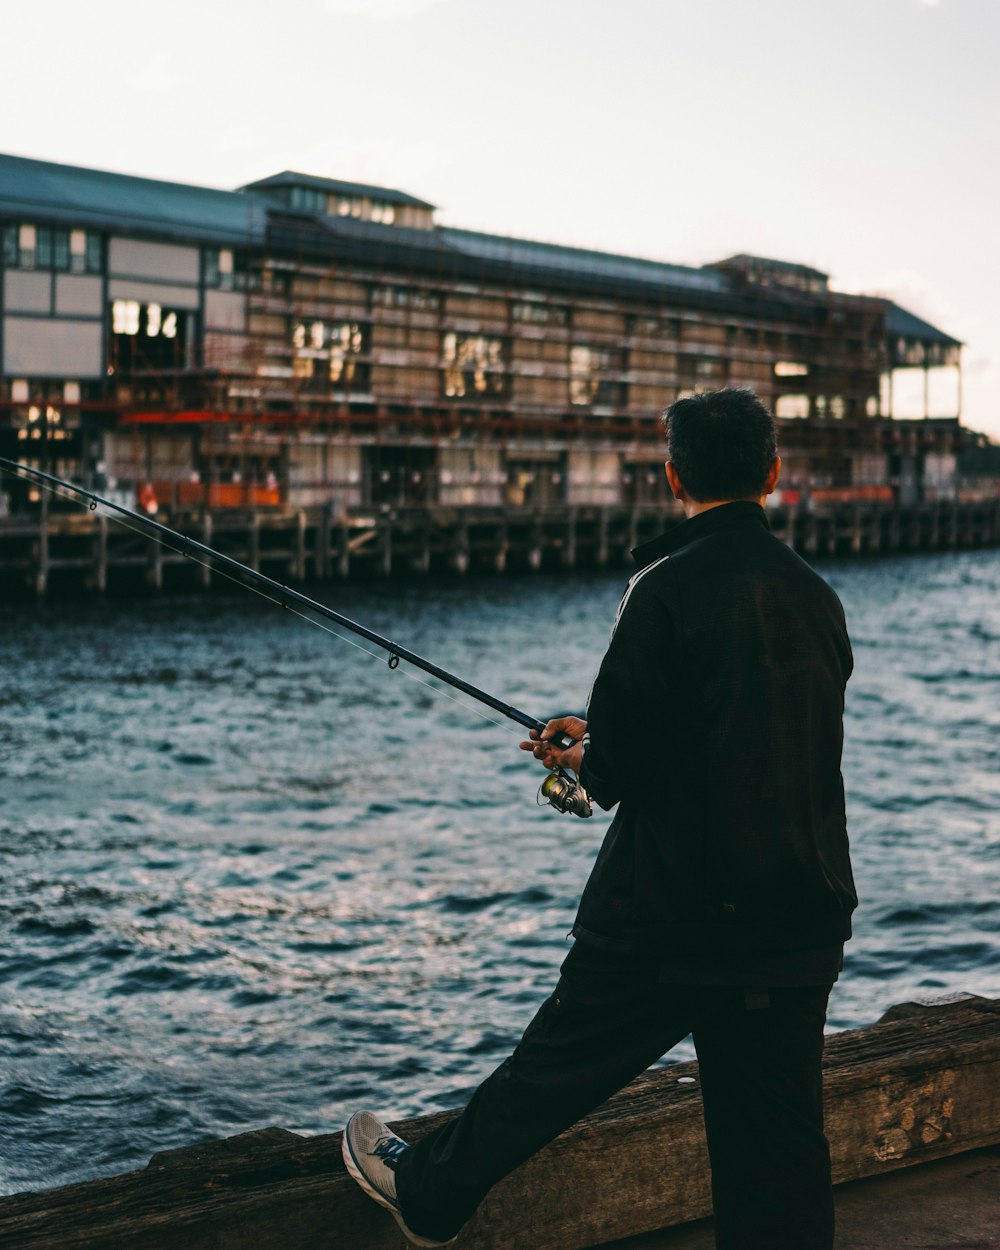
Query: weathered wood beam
column 921, row 1084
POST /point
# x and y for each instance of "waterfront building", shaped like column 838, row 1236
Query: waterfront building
column 303, row 342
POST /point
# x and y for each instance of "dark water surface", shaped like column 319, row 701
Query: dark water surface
column 249, row 876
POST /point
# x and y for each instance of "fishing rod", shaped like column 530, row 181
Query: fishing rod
column 559, row 788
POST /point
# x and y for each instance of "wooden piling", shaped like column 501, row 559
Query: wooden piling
column 42, row 571
column 101, row 556
column 205, row 572
column 314, row 542
column 253, row 558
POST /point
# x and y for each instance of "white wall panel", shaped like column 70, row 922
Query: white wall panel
column 79, row 295
column 27, row 292
column 134, row 258
column 225, row 310
column 183, row 297
column 39, row 347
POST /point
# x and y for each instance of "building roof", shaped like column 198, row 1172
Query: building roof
column 906, row 325
column 43, row 191
column 289, row 178
column 555, row 257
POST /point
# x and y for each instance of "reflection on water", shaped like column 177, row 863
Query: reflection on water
column 252, row 877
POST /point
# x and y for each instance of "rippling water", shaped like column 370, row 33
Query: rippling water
column 251, row 877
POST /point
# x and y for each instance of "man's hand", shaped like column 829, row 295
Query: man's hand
column 548, row 753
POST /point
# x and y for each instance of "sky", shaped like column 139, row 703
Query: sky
column 856, row 136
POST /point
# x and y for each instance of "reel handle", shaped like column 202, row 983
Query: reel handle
column 561, row 742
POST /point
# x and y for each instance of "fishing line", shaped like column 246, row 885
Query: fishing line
column 560, row 788
column 288, row 607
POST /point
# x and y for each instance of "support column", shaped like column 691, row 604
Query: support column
column 503, row 545
column 460, row 553
column 322, row 550
column 42, row 572
column 857, row 525
column 569, row 551
column 101, row 570
column 537, row 541
column 154, row 573
column 254, row 560
column 602, row 538
column 205, row 571
column 344, row 555
column 299, row 569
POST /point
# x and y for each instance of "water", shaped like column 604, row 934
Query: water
column 249, row 876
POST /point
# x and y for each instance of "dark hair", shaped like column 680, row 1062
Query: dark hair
column 721, row 443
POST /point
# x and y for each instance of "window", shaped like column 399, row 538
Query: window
column 94, row 253
column 406, row 297
column 147, row 337
column 384, row 213
column 791, row 406
column 78, row 250
column 790, row 369
column 221, row 270
column 60, row 250
column 473, row 366
column 308, row 200
column 590, row 380
column 538, row 314
column 41, row 247
column 329, row 352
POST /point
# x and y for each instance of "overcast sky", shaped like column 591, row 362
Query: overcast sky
column 857, row 136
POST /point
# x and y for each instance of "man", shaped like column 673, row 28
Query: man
column 722, row 895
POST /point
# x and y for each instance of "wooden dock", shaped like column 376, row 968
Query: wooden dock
column 923, row 1084
column 86, row 550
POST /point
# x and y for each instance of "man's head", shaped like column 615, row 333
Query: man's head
column 721, row 446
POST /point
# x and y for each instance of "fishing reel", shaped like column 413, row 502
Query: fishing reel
column 562, row 790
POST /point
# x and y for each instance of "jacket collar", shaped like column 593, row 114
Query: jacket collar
column 739, row 514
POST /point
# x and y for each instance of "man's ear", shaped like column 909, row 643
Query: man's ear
column 771, row 481
column 675, row 483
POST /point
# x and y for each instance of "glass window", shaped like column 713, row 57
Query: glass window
column 78, row 250
column 591, row 375
column 94, row 253
column 60, row 249
column 43, row 249
column 10, row 245
column 211, row 265
column 473, row 366
column 308, row 200
column 792, row 406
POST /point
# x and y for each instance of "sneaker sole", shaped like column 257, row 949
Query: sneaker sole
column 354, row 1168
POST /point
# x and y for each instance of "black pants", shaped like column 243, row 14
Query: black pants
column 607, row 1021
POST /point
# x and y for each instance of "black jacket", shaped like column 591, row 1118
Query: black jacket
column 716, row 722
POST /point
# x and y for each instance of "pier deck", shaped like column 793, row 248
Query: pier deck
column 921, row 1086
column 953, row 1204
column 87, row 550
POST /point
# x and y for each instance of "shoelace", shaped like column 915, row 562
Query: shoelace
column 389, row 1149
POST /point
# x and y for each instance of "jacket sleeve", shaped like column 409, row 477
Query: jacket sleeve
column 629, row 713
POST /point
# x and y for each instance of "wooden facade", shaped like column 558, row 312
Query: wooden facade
column 328, row 345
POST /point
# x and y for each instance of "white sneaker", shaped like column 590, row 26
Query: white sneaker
column 371, row 1151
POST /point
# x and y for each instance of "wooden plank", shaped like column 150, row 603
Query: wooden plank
column 920, row 1085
